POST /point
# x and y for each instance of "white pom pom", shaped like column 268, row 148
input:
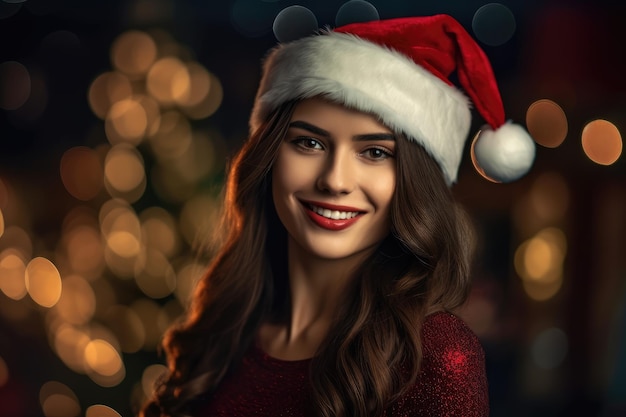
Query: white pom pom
column 504, row 155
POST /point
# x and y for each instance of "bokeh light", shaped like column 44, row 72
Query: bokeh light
column 133, row 53
column 102, row 358
column 294, row 22
column 547, row 123
column 126, row 122
column 12, row 273
column 539, row 263
column 602, row 142
column 209, row 103
column 494, row 24
column 58, row 400
column 15, row 85
column 168, row 81
column 106, row 89
column 43, row 281
column 69, row 344
column 356, row 11
column 124, row 173
column 99, row 410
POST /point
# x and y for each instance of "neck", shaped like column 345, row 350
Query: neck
column 318, row 287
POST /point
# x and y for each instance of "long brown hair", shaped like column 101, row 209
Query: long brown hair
column 373, row 353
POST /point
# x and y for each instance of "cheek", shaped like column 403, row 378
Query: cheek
column 382, row 188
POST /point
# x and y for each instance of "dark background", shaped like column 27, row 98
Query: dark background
column 571, row 52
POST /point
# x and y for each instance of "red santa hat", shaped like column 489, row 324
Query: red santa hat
column 399, row 70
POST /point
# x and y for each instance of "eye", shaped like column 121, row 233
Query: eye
column 308, row 143
column 377, row 153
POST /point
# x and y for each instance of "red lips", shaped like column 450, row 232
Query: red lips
column 325, row 222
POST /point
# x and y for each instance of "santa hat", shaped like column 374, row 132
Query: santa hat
column 398, row 70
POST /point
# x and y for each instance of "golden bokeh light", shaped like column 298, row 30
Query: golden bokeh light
column 69, row 344
column 1, row 223
column 154, row 274
column 58, row 400
column 102, row 358
column 106, row 89
column 81, row 173
column 124, row 169
column 159, row 231
column 99, row 410
column 15, row 85
column 210, row 103
column 77, row 304
column 127, row 327
column 126, row 122
column 12, row 274
column 43, row 282
column 168, row 80
column 122, row 231
column 539, row 262
column 133, row 52
column 547, row 123
column 4, row 373
column 150, row 376
column 59, row 405
column 602, row 142
column 542, row 291
column 200, row 85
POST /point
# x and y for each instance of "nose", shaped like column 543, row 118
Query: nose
column 338, row 174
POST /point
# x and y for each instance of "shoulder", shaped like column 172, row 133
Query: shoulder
column 452, row 380
column 450, row 349
column 445, row 335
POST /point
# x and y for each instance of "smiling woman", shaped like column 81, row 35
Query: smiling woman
column 332, row 182
column 346, row 255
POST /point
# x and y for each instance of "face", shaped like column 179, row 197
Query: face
column 333, row 181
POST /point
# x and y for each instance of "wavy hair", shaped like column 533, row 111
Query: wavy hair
column 373, row 353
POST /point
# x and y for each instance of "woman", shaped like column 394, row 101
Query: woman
column 346, row 253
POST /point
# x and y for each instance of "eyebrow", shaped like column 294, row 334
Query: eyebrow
column 321, row 132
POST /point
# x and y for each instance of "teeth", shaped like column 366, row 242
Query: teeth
column 334, row 214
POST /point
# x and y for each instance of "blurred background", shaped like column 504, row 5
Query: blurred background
column 117, row 119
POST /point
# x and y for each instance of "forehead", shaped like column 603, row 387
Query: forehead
column 333, row 116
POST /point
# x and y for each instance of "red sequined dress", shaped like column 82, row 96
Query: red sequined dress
column 452, row 380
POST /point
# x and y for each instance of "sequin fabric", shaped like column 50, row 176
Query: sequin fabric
column 452, row 380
